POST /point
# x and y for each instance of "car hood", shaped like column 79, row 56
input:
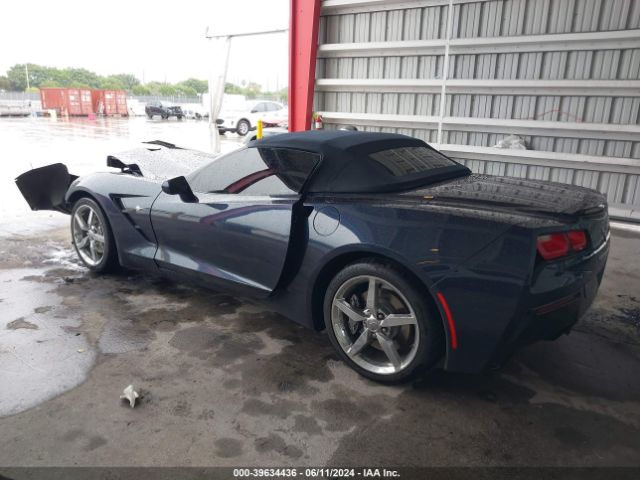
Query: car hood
column 233, row 113
column 534, row 196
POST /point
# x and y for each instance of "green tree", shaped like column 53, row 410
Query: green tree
column 140, row 90
column 253, row 90
column 75, row 84
column 17, row 77
column 109, row 83
column 154, row 87
column 127, row 80
column 283, row 95
column 233, row 88
column 5, row 83
column 80, row 75
column 167, row 90
column 47, row 76
column 200, row 86
column 50, row 84
column 42, row 76
column 185, row 91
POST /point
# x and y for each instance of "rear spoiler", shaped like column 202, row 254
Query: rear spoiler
column 45, row 188
column 134, row 168
column 131, row 168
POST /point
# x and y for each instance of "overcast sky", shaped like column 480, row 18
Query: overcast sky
column 160, row 40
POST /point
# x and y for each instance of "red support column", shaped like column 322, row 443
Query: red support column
column 303, row 47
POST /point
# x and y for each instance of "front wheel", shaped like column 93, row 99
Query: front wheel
column 92, row 237
column 380, row 323
column 243, row 128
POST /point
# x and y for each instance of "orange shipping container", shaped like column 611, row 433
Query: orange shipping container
column 70, row 101
column 110, row 102
column 121, row 102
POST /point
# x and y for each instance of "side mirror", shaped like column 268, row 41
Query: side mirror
column 179, row 186
column 254, row 111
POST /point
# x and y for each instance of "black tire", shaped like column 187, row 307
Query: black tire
column 109, row 259
column 179, row 117
column 243, row 127
column 427, row 329
column 150, row 116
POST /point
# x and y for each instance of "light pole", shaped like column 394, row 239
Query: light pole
column 26, row 73
column 217, row 82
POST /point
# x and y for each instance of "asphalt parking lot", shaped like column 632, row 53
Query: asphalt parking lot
column 224, row 381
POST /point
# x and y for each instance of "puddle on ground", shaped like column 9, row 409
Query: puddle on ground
column 39, row 357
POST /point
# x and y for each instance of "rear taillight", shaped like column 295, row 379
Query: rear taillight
column 578, row 240
column 557, row 245
column 553, row 245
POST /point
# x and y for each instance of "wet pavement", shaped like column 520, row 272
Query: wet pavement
column 82, row 145
column 225, row 381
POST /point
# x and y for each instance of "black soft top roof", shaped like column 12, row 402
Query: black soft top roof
column 345, row 166
column 334, row 143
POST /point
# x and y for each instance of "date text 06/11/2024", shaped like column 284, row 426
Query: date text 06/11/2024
column 315, row 473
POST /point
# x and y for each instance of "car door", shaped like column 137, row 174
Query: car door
column 236, row 235
column 277, row 113
column 257, row 112
column 154, row 107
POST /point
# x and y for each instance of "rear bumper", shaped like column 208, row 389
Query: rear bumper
column 495, row 312
column 546, row 313
column 45, row 188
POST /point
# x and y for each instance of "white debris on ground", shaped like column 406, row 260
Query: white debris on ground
column 512, row 142
column 63, row 257
column 130, row 394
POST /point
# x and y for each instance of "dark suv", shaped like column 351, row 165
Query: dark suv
column 164, row 109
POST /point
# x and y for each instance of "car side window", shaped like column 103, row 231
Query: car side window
column 255, row 171
column 224, row 170
column 260, row 107
column 291, row 169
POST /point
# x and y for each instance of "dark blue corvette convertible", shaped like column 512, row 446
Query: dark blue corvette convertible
column 405, row 257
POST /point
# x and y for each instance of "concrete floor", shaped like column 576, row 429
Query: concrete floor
column 226, row 382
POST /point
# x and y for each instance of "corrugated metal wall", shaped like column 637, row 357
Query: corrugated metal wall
column 562, row 74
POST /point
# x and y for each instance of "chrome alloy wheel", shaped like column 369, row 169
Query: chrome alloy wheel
column 375, row 325
column 88, row 235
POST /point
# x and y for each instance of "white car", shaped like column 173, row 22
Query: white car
column 195, row 110
column 243, row 120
